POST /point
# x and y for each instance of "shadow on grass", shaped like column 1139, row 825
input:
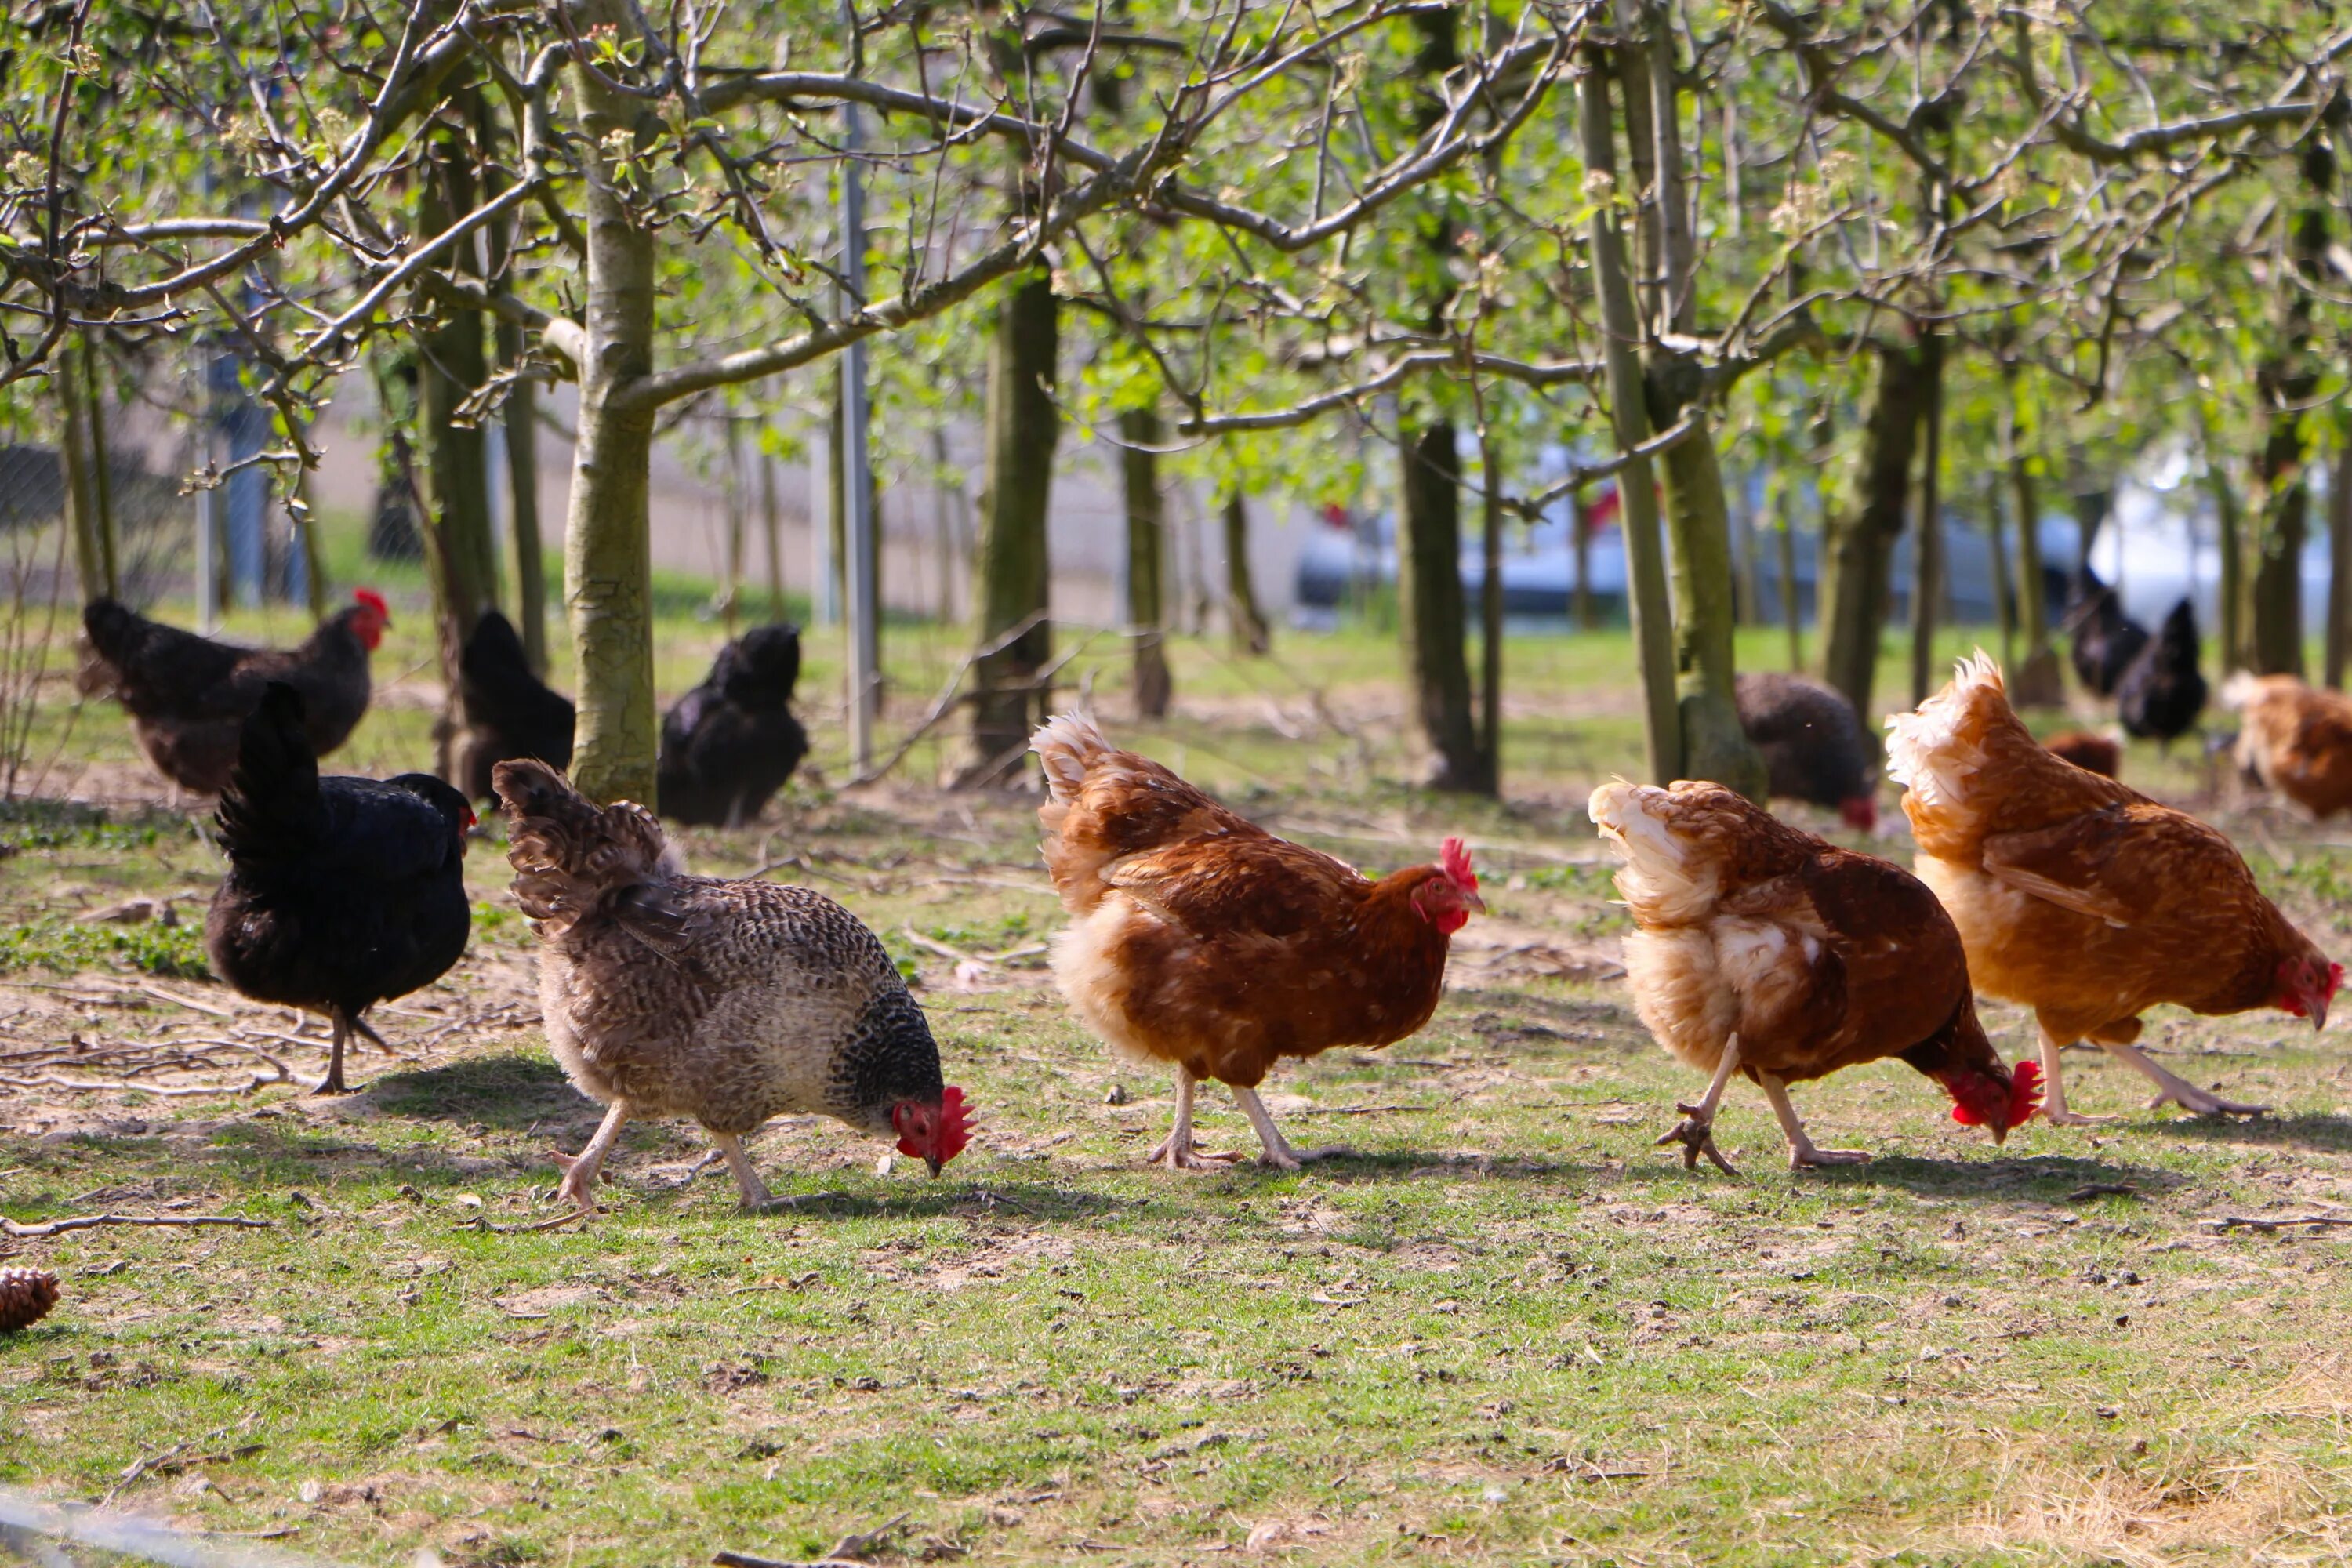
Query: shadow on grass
column 506, row 1091
column 2045, row 1178
column 2304, row 1130
column 1008, row 1199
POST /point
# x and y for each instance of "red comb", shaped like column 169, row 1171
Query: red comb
column 2024, row 1092
column 955, row 1123
column 372, row 600
column 1453, row 858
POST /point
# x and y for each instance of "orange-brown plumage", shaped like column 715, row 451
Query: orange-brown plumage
column 2081, row 898
column 1201, row 940
column 2297, row 740
column 1813, row 958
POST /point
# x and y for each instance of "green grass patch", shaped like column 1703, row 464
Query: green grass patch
column 168, row 952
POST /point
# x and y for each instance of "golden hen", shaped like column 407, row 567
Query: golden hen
column 2297, row 740
column 2084, row 899
column 1764, row 949
column 1203, row 941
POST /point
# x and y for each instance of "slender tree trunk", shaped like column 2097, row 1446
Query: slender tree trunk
column 101, row 469
column 73, row 454
column 730, row 588
column 1429, row 586
column 451, row 366
column 943, row 541
column 607, row 543
column 1928, row 556
column 2339, row 559
column 1860, row 529
column 1490, row 611
column 836, row 494
column 1250, row 632
column 2091, row 508
column 1010, row 583
column 2004, row 594
column 1147, row 553
column 521, row 421
column 1580, row 605
column 2287, row 383
column 1637, row 515
column 1749, row 581
column 2229, row 543
column 1784, row 531
column 771, row 522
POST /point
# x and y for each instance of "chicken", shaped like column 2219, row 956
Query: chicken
column 1763, row 949
column 666, row 994
column 510, row 711
column 2297, row 740
column 1814, row 746
column 2102, row 754
column 188, row 696
column 2162, row 693
column 733, row 741
column 1201, row 941
column 342, row 892
column 2106, row 639
column 2083, row 900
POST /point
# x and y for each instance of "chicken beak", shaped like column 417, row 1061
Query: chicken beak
column 2318, row 1011
column 1472, row 902
column 934, row 1162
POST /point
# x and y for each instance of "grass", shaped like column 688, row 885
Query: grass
column 1505, row 1331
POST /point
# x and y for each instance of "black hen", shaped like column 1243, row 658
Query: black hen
column 1812, row 743
column 733, row 741
column 342, row 892
column 2162, row 692
column 2106, row 639
column 510, row 713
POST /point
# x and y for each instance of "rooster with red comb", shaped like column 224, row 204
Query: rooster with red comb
column 1200, row 941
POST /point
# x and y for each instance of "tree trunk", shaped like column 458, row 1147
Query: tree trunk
column 1637, row 515
column 2229, row 543
column 2339, row 559
column 2287, row 383
column 1784, row 529
column 1012, row 577
column 2004, row 594
column 771, row 522
column 1928, row 553
column 836, row 498
column 1586, row 613
column 731, row 590
column 2091, row 508
column 1147, row 553
column 1429, row 591
column 521, row 420
column 101, row 469
column 1490, row 611
column 1251, row 634
column 461, row 552
column 73, row 454
column 607, row 541
column 1859, row 530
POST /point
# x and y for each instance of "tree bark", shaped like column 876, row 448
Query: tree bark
column 730, row 592
column 1429, row 590
column 1637, row 516
column 2339, row 560
column 1490, row 610
column 1859, row 530
column 1586, row 613
column 2229, row 543
column 2287, row 383
column 1784, row 529
column 2004, row 594
column 1251, row 634
column 607, row 544
column 1928, row 553
column 73, row 457
column 461, row 554
column 771, row 522
column 101, row 469
column 1012, row 576
column 1147, row 553
column 521, row 420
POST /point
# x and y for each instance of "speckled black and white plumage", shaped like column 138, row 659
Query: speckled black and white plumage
column 727, row 1002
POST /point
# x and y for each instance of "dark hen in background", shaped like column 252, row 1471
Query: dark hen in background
column 342, row 892
column 2106, row 639
column 2162, row 693
column 733, row 741
column 2099, row 753
column 1812, row 742
column 510, row 713
column 188, row 696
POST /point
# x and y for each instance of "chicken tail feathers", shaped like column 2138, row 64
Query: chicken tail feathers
column 572, row 856
column 1068, row 744
column 272, row 798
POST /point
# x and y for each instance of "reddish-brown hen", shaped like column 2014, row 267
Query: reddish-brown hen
column 1201, row 941
column 2084, row 899
column 1761, row 949
column 2297, row 741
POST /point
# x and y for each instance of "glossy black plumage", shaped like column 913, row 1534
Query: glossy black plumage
column 510, row 713
column 342, row 892
column 2106, row 639
column 1813, row 745
column 2162, row 693
column 733, row 741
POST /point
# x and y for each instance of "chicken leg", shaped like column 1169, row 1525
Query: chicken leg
column 333, row 1082
column 747, row 1179
column 2053, row 1088
column 1176, row 1150
column 2180, row 1091
column 1802, row 1155
column 1278, row 1151
column 579, row 1184
column 1696, row 1130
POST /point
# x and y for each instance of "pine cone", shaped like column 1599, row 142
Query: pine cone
column 25, row 1296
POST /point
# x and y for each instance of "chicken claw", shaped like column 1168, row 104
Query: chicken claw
column 579, row 1178
column 2197, row 1102
column 1696, row 1133
column 1187, row 1156
column 1805, row 1157
column 2063, row 1117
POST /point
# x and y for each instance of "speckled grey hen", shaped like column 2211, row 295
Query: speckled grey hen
column 730, row 1001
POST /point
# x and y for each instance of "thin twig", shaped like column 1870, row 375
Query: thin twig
column 9, row 1227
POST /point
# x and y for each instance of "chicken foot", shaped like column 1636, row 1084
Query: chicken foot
column 2176, row 1090
column 333, row 1082
column 1176, row 1150
column 2054, row 1088
column 578, row 1184
column 1696, row 1130
column 754, row 1191
column 1278, row 1151
column 1803, row 1154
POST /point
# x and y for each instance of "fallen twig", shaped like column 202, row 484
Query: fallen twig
column 1356, row 1110
column 9, row 1227
column 190, row 1003
column 2102, row 1190
column 2247, row 1222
